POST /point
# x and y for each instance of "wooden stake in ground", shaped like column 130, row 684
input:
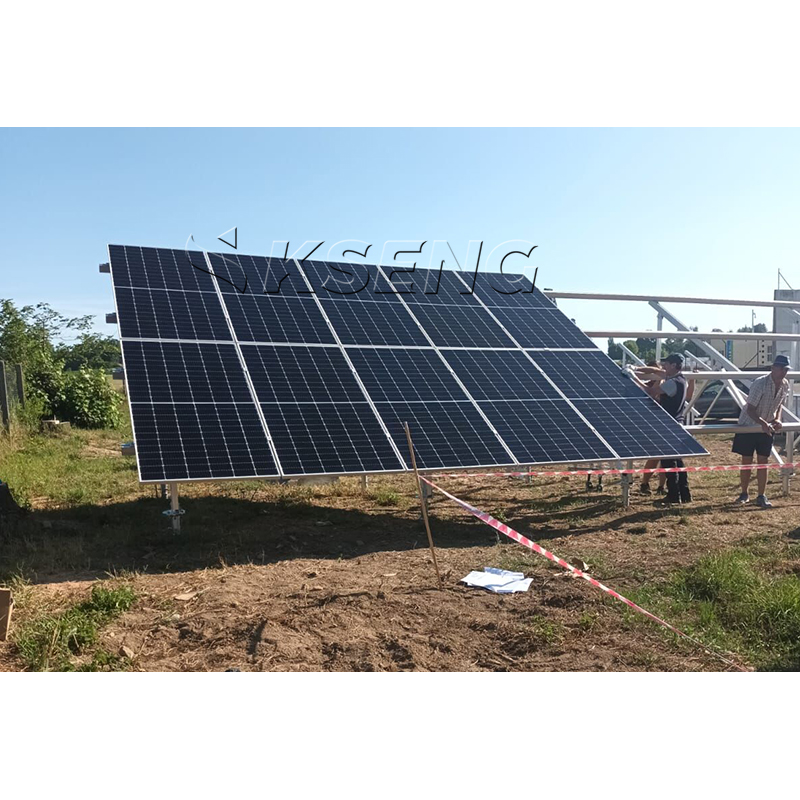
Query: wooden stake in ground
column 5, row 613
column 423, row 506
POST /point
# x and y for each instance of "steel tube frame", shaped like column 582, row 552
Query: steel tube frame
column 714, row 301
column 739, row 375
column 700, row 335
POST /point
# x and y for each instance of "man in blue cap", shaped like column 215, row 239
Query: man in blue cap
column 763, row 408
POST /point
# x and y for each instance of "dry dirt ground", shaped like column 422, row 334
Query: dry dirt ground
column 327, row 578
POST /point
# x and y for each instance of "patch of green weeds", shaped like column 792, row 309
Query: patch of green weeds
column 734, row 601
column 48, row 641
column 385, row 497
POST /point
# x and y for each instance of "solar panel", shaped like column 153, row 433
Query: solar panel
column 170, row 314
column 544, row 328
column 500, row 375
column 197, row 442
column 460, row 326
column 507, row 291
column 373, row 323
column 184, row 372
column 445, row 435
column 329, row 438
column 638, row 428
column 586, row 374
column 548, row 431
column 396, row 375
column 347, row 282
column 241, row 274
column 439, row 287
column 261, row 318
column 236, row 368
column 296, row 374
column 158, row 268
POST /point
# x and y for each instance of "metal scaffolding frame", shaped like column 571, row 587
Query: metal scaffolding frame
column 729, row 371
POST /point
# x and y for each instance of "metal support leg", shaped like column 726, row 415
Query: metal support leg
column 786, row 474
column 426, row 495
column 364, row 482
column 175, row 508
column 658, row 341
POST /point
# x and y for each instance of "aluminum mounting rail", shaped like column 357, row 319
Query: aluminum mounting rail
column 782, row 337
column 662, row 299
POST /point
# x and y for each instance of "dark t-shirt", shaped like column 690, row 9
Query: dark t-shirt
column 673, row 396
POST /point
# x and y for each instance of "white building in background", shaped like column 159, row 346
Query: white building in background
column 785, row 320
column 746, row 353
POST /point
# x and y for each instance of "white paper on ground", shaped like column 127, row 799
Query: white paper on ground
column 500, row 581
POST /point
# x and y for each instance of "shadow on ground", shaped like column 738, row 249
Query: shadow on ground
column 91, row 541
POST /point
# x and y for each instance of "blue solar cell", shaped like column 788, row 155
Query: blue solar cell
column 301, row 374
column 170, row 314
column 586, row 374
column 329, row 438
column 539, row 432
column 444, row 434
column 347, row 282
column 261, row 318
column 460, row 326
column 195, row 442
column 373, row 323
column 439, row 287
column 541, row 327
column 258, row 275
column 159, row 268
column 172, row 372
column 508, row 290
column 638, row 428
column 393, row 374
column 500, row 375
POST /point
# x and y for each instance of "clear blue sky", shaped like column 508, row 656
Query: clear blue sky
column 679, row 211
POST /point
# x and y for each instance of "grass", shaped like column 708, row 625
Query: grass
column 736, row 601
column 58, row 467
column 49, row 642
column 385, row 497
column 588, row 621
column 91, row 517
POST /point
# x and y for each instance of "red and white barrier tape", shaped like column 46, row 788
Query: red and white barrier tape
column 632, row 471
column 518, row 537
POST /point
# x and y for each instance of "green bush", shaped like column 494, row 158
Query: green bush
column 89, row 400
column 30, row 336
column 29, row 417
column 44, row 381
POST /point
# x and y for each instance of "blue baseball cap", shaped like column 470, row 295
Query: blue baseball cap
column 673, row 358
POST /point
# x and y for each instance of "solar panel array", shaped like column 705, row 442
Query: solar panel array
column 243, row 367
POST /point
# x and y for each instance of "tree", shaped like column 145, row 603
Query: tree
column 646, row 348
column 93, row 350
column 760, row 327
column 615, row 350
column 27, row 337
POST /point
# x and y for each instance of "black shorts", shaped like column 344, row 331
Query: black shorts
column 745, row 443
